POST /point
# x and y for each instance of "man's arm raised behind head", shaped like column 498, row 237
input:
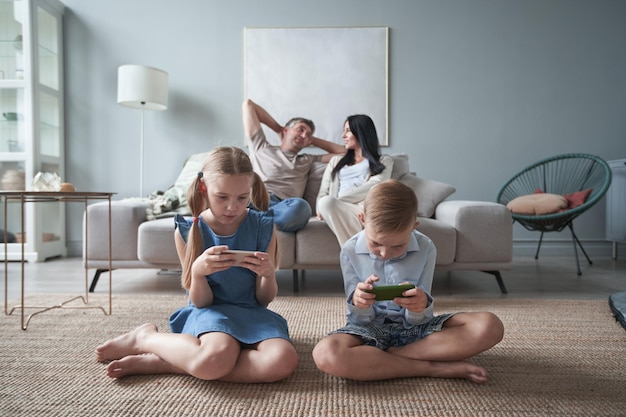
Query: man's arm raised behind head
column 254, row 115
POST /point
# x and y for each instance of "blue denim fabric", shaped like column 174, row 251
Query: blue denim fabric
column 290, row 214
column 384, row 336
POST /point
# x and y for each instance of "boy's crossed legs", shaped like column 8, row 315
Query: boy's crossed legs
column 440, row 354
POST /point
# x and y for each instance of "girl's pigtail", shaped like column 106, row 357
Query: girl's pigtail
column 197, row 201
column 259, row 196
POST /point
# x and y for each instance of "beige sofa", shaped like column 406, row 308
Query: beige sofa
column 469, row 235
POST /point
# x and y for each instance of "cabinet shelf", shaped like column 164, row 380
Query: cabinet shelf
column 30, row 78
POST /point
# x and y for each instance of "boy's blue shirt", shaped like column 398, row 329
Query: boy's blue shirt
column 416, row 265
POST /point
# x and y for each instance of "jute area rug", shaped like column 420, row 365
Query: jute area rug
column 558, row 358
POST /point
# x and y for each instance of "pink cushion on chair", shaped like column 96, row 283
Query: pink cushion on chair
column 578, row 198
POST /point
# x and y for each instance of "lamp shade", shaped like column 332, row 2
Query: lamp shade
column 142, row 87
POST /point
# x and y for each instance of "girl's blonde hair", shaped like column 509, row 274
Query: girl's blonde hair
column 225, row 160
column 390, row 207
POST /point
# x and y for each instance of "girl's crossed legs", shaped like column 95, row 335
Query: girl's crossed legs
column 212, row 356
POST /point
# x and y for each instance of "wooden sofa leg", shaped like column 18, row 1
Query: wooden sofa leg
column 499, row 279
column 296, row 280
column 95, row 279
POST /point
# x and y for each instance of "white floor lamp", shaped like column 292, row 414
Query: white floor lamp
column 144, row 88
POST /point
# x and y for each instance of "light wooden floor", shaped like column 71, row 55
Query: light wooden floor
column 548, row 277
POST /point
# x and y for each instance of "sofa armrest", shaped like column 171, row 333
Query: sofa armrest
column 484, row 230
column 126, row 216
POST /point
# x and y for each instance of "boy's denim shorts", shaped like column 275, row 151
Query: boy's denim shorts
column 392, row 334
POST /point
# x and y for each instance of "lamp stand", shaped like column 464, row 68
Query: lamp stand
column 141, row 157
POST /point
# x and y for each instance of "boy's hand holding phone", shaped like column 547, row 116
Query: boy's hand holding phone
column 415, row 300
column 367, row 293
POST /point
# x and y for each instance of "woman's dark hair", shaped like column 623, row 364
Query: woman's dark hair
column 362, row 127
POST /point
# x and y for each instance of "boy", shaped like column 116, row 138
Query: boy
column 402, row 337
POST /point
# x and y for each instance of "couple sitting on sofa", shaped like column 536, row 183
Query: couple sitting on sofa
column 351, row 171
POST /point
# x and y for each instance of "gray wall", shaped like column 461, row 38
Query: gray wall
column 477, row 89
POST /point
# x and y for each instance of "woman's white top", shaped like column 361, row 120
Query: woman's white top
column 330, row 186
column 353, row 176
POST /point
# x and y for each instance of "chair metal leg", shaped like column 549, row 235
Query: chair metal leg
column 575, row 241
column 539, row 246
column 95, row 279
column 498, row 277
column 571, row 226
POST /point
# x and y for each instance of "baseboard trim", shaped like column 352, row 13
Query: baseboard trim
column 561, row 247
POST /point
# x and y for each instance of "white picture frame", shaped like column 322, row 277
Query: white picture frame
column 322, row 73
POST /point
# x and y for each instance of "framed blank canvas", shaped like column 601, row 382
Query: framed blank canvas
column 324, row 74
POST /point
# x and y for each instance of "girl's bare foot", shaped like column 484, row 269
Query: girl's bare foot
column 123, row 345
column 140, row 365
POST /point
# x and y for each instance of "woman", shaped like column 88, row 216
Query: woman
column 349, row 177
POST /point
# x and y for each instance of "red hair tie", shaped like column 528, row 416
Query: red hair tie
column 194, row 219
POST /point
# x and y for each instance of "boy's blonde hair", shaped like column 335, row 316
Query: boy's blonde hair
column 390, row 207
column 225, row 160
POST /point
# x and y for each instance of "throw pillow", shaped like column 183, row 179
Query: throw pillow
column 174, row 199
column 192, row 165
column 537, row 204
column 574, row 199
column 313, row 183
column 400, row 165
column 578, row 198
column 429, row 193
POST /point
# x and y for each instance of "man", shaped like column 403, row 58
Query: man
column 283, row 169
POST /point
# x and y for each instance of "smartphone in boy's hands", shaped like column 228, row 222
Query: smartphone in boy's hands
column 389, row 292
column 240, row 255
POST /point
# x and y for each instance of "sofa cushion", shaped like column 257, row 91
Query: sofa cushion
column 125, row 216
column 316, row 245
column 155, row 242
column 484, row 230
column 443, row 236
column 286, row 243
column 429, row 193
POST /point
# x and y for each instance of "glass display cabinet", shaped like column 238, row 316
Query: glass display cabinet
column 31, row 122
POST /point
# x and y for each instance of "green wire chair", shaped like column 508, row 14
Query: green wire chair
column 561, row 174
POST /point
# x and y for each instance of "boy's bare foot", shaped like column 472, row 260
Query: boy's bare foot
column 139, row 365
column 123, row 345
column 460, row 369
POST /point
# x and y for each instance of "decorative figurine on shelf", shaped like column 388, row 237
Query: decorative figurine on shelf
column 13, row 180
column 47, row 181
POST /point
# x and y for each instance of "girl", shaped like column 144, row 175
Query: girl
column 348, row 178
column 226, row 332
